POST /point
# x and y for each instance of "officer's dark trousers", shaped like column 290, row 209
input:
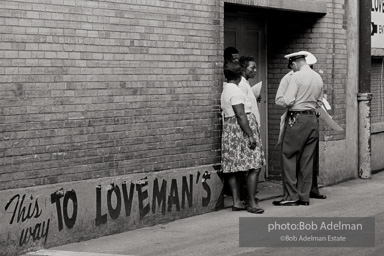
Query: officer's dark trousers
column 315, row 186
column 298, row 151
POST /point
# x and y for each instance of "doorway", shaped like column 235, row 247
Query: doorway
column 248, row 35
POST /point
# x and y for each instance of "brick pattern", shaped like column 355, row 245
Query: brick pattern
column 324, row 36
column 102, row 88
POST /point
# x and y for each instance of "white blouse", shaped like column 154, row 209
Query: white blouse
column 233, row 95
column 249, row 91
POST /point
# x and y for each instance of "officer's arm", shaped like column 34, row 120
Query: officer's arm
column 320, row 99
column 281, row 91
column 290, row 95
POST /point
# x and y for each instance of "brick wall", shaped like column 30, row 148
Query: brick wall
column 102, row 88
column 325, row 37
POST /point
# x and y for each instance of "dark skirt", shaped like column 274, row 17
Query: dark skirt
column 236, row 156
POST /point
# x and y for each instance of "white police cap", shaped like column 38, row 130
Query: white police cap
column 296, row 55
column 310, row 59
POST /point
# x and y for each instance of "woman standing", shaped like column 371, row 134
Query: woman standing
column 241, row 142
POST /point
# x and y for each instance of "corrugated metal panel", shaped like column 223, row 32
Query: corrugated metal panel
column 377, row 89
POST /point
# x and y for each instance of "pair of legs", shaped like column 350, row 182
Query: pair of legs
column 252, row 181
column 315, row 193
column 298, row 151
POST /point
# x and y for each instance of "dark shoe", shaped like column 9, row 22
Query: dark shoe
column 255, row 210
column 236, row 209
column 304, row 203
column 283, row 202
column 317, row 196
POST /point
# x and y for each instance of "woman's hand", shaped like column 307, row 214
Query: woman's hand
column 252, row 142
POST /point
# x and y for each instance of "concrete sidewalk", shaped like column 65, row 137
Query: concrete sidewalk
column 266, row 190
column 217, row 233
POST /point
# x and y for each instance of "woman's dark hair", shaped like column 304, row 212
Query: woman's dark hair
column 244, row 61
column 228, row 53
column 232, row 70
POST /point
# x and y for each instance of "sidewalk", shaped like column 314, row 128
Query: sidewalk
column 217, row 233
column 267, row 190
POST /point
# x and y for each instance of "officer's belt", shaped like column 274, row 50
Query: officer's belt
column 302, row 112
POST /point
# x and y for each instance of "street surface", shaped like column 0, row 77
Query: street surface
column 217, row 233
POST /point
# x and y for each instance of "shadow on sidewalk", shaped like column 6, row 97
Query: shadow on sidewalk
column 266, row 190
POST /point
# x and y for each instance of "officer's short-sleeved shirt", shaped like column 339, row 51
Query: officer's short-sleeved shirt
column 305, row 90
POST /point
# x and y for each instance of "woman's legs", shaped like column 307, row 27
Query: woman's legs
column 234, row 185
column 252, row 181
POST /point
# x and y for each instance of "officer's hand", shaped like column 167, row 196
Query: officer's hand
column 258, row 99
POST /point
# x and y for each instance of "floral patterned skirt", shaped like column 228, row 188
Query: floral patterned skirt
column 236, row 156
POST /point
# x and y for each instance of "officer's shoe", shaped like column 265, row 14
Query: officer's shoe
column 317, row 196
column 284, row 202
column 304, row 203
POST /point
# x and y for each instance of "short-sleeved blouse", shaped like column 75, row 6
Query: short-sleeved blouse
column 233, row 95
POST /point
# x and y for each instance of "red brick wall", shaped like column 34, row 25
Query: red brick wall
column 325, row 37
column 102, row 88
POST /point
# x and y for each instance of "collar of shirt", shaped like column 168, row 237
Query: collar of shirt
column 305, row 67
column 244, row 80
column 229, row 84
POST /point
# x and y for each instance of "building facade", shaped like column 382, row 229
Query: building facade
column 377, row 83
column 110, row 110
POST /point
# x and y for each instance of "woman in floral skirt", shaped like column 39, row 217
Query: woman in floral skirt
column 241, row 143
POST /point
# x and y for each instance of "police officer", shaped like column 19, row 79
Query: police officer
column 303, row 94
column 311, row 60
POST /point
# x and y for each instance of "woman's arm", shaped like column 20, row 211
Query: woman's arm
column 243, row 122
